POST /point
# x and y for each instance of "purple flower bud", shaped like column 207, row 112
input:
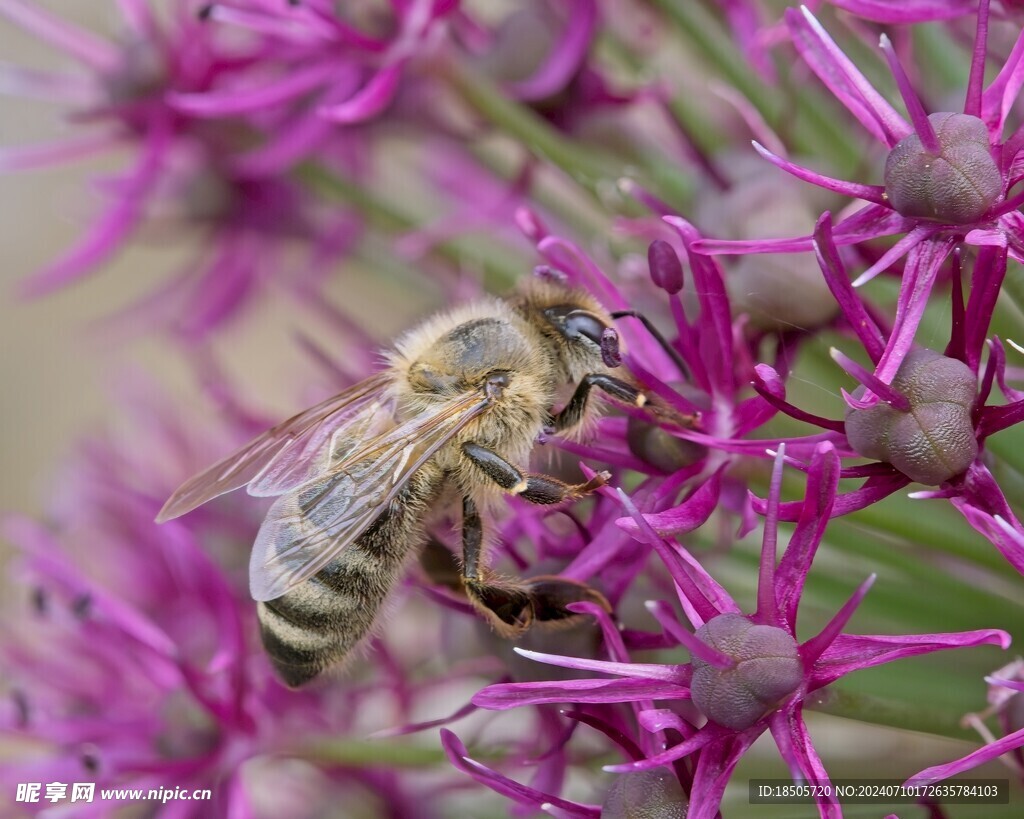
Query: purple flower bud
column 934, row 440
column 645, row 795
column 141, row 73
column 958, row 186
column 666, row 269
column 659, row 448
column 767, row 669
column 781, row 291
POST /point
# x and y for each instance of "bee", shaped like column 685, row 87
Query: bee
column 458, row 408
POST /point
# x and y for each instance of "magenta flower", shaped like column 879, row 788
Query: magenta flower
column 1006, row 695
column 342, row 66
column 950, row 179
column 187, row 171
column 133, row 660
column 747, row 673
column 932, row 420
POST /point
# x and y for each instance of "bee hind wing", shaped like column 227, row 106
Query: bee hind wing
column 307, row 528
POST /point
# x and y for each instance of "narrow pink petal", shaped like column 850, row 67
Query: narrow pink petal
column 986, row 753
column 503, row 696
column 1000, row 533
column 709, row 733
column 873, row 491
column 986, row 282
column 666, row 617
column 565, row 57
column 907, row 11
column 691, row 514
column 813, row 648
column 896, row 252
column 1002, row 93
column 767, row 604
column 880, row 389
column 852, row 652
column 374, row 97
column 687, row 584
column 661, row 719
column 844, row 79
column 715, row 766
column 570, row 259
column 291, row 27
column 870, row 222
column 80, row 44
column 918, row 116
column 770, row 386
column 838, row 281
column 234, row 101
column 870, row 193
column 46, row 85
column 524, row 795
column 716, row 348
column 51, row 153
column 819, row 498
column 106, row 234
column 999, row 354
column 973, row 102
column 919, row 277
column 674, row 674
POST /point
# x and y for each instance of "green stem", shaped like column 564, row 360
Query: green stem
column 501, row 266
column 594, row 170
column 896, row 714
column 377, row 753
column 816, row 126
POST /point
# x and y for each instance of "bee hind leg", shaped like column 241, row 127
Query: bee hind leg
column 512, row 606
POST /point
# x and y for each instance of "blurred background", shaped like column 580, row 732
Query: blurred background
column 64, row 362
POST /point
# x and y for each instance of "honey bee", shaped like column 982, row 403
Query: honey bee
column 463, row 399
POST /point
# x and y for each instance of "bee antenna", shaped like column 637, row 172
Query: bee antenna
column 672, row 352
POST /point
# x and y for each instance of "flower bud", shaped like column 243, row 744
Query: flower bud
column 958, row 186
column 767, row 668
column 934, row 440
column 653, row 445
column 666, row 269
column 645, row 795
column 782, row 291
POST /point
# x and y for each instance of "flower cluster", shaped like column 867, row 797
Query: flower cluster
column 821, row 359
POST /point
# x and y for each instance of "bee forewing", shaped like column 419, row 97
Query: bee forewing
column 308, row 527
column 283, row 457
column 325, row 445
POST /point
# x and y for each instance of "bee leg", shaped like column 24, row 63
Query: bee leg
column 541, row 489
column 506, row 605
column 552, row 595
column 572, row 413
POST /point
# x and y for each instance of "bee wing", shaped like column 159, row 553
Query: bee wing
column 291, row 453
column 308, row 527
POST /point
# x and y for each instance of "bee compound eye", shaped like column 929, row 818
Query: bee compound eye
column 573, row 323
column 580, row 323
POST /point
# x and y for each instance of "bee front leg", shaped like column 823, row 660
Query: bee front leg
column 534, row 488
column 572, row 413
